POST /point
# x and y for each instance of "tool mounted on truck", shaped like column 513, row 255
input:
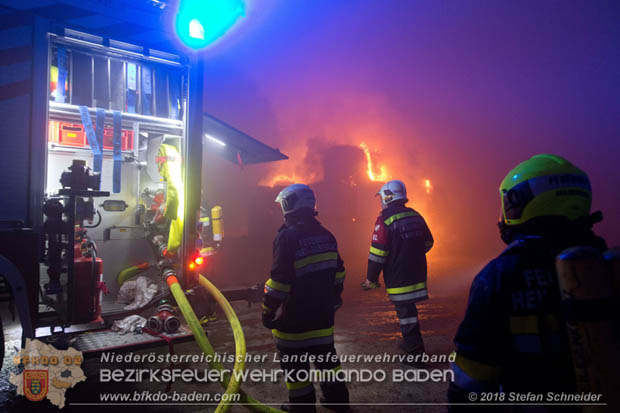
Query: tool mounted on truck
column 105, row 165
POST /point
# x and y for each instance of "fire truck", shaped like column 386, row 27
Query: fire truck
column 103, row 135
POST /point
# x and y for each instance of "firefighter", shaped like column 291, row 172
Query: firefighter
column 399, row 245
column 301, row 298
column 513, row 335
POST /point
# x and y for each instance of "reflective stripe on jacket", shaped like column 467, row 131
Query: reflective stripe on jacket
column 513, row 334
column 399, row 245
column 307, row 278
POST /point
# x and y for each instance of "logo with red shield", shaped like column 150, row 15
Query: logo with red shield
column 35, row 384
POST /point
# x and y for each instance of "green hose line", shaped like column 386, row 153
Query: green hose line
column 231, row 384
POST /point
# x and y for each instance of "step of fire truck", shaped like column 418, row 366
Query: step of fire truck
column 92, row 341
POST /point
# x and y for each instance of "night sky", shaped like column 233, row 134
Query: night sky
column 454, row 92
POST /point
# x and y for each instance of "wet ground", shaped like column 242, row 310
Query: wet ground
column 366, row 324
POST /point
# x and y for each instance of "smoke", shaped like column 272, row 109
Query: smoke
column 449, row 93
column 346, row 202
column 345, row 150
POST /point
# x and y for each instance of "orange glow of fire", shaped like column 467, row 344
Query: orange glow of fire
column 382, row 176
column 283, row 179
column 428, row 186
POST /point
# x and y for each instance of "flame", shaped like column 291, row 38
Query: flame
column 371, row 170
column 282, row 179
column 428, row 186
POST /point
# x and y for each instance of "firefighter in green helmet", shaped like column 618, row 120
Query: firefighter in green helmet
column 513, row 336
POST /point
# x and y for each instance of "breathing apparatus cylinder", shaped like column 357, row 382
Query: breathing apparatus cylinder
column 587, row 301
column 218, row 224
column 612, row 258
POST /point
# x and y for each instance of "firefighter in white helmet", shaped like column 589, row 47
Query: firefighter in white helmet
column 302, row 296
column 400, row 241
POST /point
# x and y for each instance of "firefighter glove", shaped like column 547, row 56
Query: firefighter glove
column 338, row 304
column 269, row 319
column 370, row 285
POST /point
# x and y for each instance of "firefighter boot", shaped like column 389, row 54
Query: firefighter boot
column 335, row 396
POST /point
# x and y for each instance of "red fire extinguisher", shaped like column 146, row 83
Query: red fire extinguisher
column 88, row 286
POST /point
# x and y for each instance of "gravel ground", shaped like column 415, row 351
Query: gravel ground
column 365, row 325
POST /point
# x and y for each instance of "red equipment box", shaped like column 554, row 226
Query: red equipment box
column 74, row 135
column 126, row 139
column 67, row 134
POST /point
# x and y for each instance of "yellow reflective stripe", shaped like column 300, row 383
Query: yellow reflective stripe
column 553, row 323
column 337, row 368
column 524, row 325
column 305, row 335
column 399, row 216
column 530, row 324
column 377, row 251
column 341, row 274
column 477, row 370
column 313, row 259
column 407, row 288
column 297, row 385
column 286, row 288
column 266, row 308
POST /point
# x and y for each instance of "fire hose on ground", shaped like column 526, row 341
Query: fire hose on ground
column 230, row 382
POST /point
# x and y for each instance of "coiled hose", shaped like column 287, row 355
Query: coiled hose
column 230, row 383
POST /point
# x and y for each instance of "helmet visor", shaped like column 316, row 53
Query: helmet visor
column 515, row 199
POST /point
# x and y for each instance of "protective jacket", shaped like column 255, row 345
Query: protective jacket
column 513, row 334
column 399, row 245
column 306, row 284
column 169, row 166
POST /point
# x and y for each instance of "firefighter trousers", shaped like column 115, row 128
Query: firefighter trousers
column 301, row 391
column 407, row 313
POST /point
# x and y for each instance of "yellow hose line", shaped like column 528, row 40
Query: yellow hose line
column 231, row 384
column 237, row 335
column 205, row 346
column 240, row 348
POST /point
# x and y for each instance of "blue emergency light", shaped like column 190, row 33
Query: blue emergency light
column 201, row 22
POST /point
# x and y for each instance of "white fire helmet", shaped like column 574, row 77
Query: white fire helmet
column 392, row 191
column 295, row 197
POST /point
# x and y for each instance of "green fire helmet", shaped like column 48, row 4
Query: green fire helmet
column 544, row 185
